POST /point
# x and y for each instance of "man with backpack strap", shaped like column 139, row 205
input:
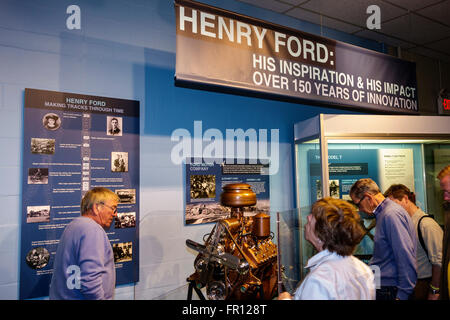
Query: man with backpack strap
column 429, row 249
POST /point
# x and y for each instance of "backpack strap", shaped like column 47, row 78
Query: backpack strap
column 419, row 232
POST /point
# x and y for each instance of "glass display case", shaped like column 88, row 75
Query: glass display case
column 386, row 148
column 292, row 248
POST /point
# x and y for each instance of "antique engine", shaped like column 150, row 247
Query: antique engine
column 238, row 260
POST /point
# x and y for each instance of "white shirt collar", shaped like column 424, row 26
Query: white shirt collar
column 321, row 257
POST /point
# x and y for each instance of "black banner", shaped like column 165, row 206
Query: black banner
column 73, row 102
column 224, row 49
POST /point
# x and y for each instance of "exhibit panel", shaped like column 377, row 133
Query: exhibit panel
column 407, row 150
column 73, row 143
column 206, row 178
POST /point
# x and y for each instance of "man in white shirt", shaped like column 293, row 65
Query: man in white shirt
column 429, row 250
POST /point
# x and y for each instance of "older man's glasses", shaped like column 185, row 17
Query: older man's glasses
column 359, row 203
column 114, row 209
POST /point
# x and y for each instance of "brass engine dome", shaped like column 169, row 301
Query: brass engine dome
column 237, row 195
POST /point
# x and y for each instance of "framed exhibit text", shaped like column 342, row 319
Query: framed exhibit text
column 72, row 143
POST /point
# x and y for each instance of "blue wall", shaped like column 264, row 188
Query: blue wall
column 126, row 49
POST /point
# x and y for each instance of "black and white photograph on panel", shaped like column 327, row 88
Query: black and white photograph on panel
column 119, row 161
column 38, row 176
column 37, row 258
column 114, row 126
column 38, row 214
column 123, row 251
column 125, row 220
column 203, row 186
column 51, row 121
column 126, row 196
column 42, row 146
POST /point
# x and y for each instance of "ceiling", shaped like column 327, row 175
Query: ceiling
column 418, row 26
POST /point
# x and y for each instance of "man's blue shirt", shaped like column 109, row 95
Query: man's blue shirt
column 395, row 248
column 84, row 263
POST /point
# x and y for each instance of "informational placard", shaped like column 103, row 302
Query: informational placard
column 345, row 168
column 223, row 49
column 206, row 178
column 72, row 143
column 396, row 166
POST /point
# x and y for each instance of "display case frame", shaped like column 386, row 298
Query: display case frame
column 324, row 135
column 332, row 127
